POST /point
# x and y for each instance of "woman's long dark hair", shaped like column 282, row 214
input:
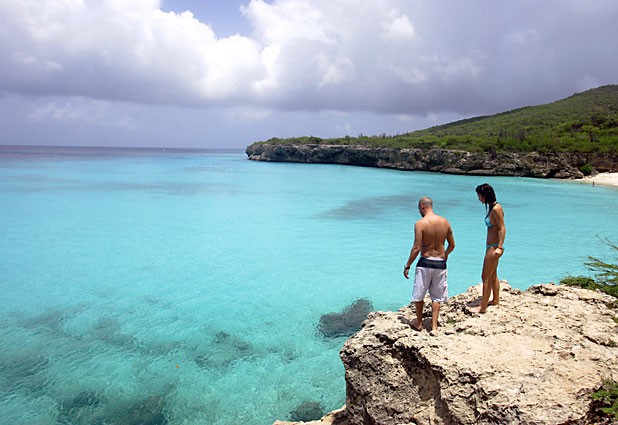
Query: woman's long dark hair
column 488, row 194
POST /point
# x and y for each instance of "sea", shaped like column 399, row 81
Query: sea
column 167, row 286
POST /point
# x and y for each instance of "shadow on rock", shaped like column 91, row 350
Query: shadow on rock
column 346, row 323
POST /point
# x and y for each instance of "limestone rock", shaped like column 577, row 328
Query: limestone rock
column 525, row 164
column 535, row 359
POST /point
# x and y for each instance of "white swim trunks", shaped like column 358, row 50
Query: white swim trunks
column 430, row 275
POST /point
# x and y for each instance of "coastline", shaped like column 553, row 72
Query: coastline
column 553, row 165
column 605, row 179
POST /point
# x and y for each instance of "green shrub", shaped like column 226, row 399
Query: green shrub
column 586, row 169
column 580, row 281
column 606, row 399
column 606, row 275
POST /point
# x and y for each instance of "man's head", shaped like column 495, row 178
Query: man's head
column 425, row 204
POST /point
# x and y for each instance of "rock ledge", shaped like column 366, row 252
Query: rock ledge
column 535, row 359
column 530, row 164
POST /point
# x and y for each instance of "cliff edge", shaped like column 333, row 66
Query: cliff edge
column 535, row 359
column 528, row 164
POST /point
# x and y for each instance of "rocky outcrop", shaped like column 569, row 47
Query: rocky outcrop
column 535, row 359
column 533, row 164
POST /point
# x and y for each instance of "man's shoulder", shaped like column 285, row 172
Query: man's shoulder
column 442, row 223
column 441, row 219
column 432, row 221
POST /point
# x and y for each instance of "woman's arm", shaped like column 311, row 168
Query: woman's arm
column 498, row 216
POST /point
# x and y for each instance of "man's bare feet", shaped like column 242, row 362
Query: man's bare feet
column 416, row 324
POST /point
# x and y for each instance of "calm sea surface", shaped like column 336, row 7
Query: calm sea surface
column 185, row 287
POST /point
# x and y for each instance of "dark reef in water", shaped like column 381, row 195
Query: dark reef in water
column 90, row 408
column 346, row 323
column 224, row 350
column 307, row 411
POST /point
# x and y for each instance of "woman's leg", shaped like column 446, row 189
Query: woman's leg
column 495, row 287
column 489, row 276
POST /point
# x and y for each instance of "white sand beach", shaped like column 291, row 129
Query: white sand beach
column 608, row 179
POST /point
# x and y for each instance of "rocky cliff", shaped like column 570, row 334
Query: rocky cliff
column 535, row 359
column 533, row 164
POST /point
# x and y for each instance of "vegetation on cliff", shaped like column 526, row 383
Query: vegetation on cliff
column 606, row 275
column 584, row 122
column 605, row 403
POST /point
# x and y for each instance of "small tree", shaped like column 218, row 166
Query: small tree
column 586, row 169
column 606, row 274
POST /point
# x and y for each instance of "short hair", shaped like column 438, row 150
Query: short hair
column 425, row 200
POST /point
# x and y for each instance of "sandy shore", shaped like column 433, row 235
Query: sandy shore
column 607, row 179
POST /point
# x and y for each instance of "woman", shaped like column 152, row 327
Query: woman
column 494, row 248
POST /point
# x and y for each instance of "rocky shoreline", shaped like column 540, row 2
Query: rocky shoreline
column 562, row 165
column 535, row 359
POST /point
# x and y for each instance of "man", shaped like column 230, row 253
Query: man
column 430, row 232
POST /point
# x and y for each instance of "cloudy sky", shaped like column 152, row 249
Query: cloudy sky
column 226, row 73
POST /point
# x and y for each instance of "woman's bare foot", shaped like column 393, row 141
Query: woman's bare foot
column 492, row 302
column 477, row 310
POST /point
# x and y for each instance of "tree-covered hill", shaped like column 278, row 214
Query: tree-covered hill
column 584, row 122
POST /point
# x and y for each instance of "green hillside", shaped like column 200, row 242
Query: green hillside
column 584, row 122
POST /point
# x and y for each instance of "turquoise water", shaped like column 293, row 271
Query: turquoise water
column 185, row 287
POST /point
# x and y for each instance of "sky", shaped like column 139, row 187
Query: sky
column 227, row 73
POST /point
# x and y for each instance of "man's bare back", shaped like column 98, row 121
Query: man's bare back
column 433, row 230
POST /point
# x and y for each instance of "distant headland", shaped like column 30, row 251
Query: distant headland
column 570, row 138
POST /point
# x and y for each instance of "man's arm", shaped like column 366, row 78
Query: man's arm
column 416, row 248
column 451, row 242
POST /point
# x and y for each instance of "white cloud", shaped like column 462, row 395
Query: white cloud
column 333, row 70
column 121, row 50
column 282, row 22
column 399, row 28
column 385, row 56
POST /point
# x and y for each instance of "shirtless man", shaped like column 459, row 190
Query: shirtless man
column 430, row 232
